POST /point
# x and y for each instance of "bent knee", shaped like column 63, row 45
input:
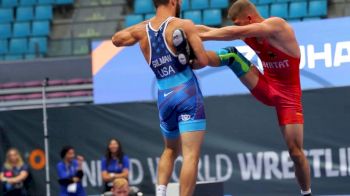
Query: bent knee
column 296, row 153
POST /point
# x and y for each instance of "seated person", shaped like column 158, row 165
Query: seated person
column 13, row 174
column 120, row 187
column 70, row 173
column 114, row 165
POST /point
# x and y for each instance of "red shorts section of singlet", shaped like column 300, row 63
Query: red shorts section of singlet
column 279, row 86
column 289, row 111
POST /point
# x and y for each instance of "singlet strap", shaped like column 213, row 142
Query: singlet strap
column 149, row 44
column 168, row 20
column 165, row 22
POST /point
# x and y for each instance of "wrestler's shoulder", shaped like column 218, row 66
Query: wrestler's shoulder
column 275, row 20
column 140, row 28
column 278, row 23
column 183, row 22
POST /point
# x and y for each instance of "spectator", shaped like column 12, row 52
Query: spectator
column 13, row 174
column 114, row 165
column 120, row 187
column 70, row 173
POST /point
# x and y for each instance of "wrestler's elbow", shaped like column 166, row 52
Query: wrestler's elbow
column 116, row 40
column 120, row 39
column 117, row 44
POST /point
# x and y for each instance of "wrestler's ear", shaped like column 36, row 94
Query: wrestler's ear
column 249, row 19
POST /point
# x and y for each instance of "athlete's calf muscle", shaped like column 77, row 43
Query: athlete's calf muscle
column 251, row 78
column 214, row 60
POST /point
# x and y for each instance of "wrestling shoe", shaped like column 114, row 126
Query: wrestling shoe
column 228, row 55
column 235, row 60
column 307, row 194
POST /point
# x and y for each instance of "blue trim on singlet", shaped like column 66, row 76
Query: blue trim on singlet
column 193, row 125
column 175, row 80
column 165, row 65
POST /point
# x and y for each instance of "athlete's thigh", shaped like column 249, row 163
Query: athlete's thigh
column 289, row 112
column 168, row 115
column 190, row 109
column 293, row 135
column 260, row 87
column 192, row 125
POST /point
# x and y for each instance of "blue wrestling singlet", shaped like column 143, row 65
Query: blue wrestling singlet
column 180, row 100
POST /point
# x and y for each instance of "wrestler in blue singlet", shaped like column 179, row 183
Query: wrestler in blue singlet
column 180, row 100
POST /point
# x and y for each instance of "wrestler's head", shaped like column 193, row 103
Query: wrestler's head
column 243, row 12
column 175, row 5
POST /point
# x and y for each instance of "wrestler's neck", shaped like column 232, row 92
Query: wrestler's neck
column 164, row 12
column 257, row 19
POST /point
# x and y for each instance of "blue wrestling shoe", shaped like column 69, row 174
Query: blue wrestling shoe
column 183, row 48
column 228, row 55
column 236, row 61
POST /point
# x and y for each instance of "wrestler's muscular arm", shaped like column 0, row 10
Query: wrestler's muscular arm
column 270, row 27
column 204, row 29
column 276, row 30
column 128, row 36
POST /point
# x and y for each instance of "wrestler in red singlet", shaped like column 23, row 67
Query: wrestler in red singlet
column 274, row 41
column 279, row 86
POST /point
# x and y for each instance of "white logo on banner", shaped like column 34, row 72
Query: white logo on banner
column 257, row 166
column 310, row 57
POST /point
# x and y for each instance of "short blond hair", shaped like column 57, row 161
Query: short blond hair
column 239, row 6
column 120, row 182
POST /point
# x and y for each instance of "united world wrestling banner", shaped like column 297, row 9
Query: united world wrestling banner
column 243, row 145
column 122, row 74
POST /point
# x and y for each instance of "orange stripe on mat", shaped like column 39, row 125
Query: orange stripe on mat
column 103, row 54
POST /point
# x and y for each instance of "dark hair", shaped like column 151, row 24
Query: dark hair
column 64, row 150
column 160, row 2
column 120, row 153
